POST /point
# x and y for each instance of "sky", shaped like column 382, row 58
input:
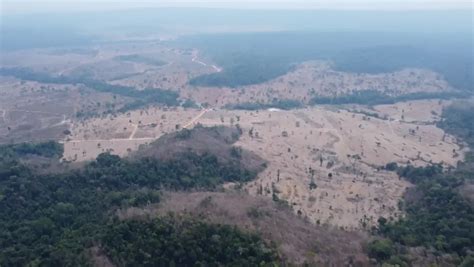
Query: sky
column 40, row 6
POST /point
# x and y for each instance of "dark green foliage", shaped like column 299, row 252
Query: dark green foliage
column 184, row 134
column 368, row 97
column 188, row 171
column 244, row 69
column 437, row 215
column 392, row 166
column 373, row 97
column 173, row 241
column 381, row 249
column 48, row 149
column 236, row 152
column 468, row 261
column 149, row 96
column 459, row 120
column 284, row 104
column 51, row 219
column 456, row 69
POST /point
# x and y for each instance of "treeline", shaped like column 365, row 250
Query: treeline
column 241, row 69
column 50, row 149
column 362, row 97
column 449, row 62
column 373, row 97
column 141, row 97
column 458, row 120
column 284, row 104
column 437, row 216
column 175, row 241
column 440, row 217
column 52, row 219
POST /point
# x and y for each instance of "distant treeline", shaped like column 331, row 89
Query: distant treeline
column 280, row 104
column 456, row 67
column 458, row 120
column 362, row 97
column 141, row 97
column 241, row 69
column 373, row 97
column 250, row 58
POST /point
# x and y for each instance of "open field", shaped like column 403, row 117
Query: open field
column 341, row 152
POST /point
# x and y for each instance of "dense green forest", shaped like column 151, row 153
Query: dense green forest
column 241, row 68
column 51, row 219
column 48, row 149
column 459, row 120
column 173, row 241
column 437, row 216
column 250, row 58
column 141, row 97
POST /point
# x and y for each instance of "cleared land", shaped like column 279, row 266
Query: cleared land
column 326, row 162
column 121, row 134
column 341, row 152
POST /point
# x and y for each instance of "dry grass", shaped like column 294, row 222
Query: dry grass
column 351, row 190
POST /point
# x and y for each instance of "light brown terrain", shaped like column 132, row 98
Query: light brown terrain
column 342, row 152
column 325, row 161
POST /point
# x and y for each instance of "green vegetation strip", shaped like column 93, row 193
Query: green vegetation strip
column 52, row 219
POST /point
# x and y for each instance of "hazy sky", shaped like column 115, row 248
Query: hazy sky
column 32, row 6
